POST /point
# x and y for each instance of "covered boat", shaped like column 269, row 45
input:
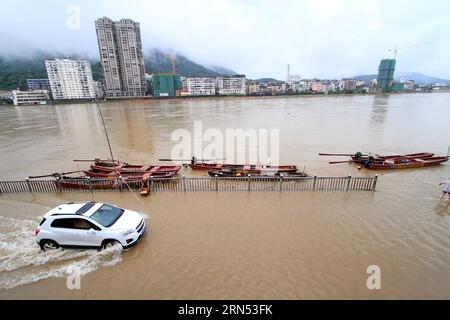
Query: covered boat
column 361, row 159
column 203, row 164
column 404, row 163
column 198, row 165
column 255, row 171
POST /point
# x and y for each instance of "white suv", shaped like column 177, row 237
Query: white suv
column 89, row 225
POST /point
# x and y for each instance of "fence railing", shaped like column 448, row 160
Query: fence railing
column 313, row 183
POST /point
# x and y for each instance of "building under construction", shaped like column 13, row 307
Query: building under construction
column 166, row 85
column 386, row 74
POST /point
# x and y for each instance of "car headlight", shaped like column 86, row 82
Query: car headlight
column 128, row 232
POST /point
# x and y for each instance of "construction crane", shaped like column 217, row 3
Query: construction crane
column 173, row 60
column 174, row 64
column 397, row 48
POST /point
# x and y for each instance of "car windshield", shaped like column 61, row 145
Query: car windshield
column 107, row 215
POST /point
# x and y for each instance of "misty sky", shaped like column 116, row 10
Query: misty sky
column 319, row 38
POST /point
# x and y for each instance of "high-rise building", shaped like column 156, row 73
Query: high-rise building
column 386, row 74
column 120, row 47
column 70, row 79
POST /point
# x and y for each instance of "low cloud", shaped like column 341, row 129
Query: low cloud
column 259, row 38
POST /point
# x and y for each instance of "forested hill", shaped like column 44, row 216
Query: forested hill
column 15, row 71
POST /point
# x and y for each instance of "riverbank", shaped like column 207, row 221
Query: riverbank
column 151, row 98
column 181, row 98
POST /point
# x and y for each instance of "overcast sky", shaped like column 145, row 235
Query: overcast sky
column 319, row 38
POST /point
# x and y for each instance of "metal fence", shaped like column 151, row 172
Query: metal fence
column 313, row 183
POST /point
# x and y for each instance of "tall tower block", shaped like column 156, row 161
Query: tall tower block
column 386, row 74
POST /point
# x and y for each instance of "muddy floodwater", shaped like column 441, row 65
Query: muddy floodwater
column 238, row 245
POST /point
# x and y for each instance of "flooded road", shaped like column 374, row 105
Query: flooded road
column 239, row 245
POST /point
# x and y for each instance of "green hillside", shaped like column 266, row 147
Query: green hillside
column 14, row 72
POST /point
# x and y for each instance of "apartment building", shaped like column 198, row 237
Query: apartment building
column 30, row 97
column 201, row 86
column 70, row 79
column 253, row 88
column 121, row 55
column 231, row 85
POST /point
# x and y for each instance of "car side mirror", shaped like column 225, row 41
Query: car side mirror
column 91, row 231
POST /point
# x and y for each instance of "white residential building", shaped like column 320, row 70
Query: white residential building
column 30, row 97
column 232, row 85
column 201, row 86
column 70, row 79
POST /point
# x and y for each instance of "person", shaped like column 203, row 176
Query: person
column 446, row 189
column 81, row 224
column 368, row 161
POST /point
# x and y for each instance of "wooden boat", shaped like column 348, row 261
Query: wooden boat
column 361, row 159
column 101, row 165
column 135, row 168
column 196, row 165
column 86, row 183
column 255, row 168
column 109, row 181
column 154, row 172
column 405, row 163
column 254, row 171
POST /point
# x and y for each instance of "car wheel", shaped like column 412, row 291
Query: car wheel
column 47, row 245
column 110, row 243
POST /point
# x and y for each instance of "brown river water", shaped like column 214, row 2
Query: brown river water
column 238, row 245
